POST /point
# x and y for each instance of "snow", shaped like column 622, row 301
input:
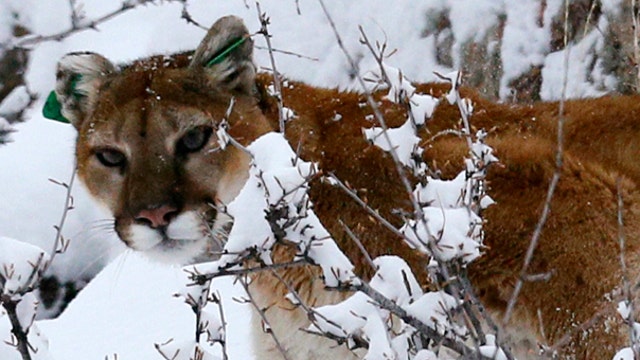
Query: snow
column 435, row 310
column 447, row 236
column 580, row 57
column 442, row 193
column 402, row 140
column 20, row 263
column 492, row 351
column 128, row 307
column 390, row 269
column 278, row 185
column 17, row 100
column 624, row 354
column 31, row 204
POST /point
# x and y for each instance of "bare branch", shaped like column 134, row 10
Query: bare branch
column 79, row 24
column 21, row 335
column 201, row 278
column 264, row 22
column 188, row 18
column 394, row 308
column 358, row 243
column 301, row 56
column 264, row 318
column 554, row 181
column 626, row 287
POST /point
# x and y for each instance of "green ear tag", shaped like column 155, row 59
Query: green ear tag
column 220, row 56
column 52, row 109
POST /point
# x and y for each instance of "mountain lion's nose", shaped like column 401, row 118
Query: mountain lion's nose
column 158, row 217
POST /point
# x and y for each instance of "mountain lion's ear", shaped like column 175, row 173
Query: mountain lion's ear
column 78, row 78
column 226, row 54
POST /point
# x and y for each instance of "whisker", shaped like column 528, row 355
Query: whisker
column 119, row 267
column 106, row 220
column 105, row 254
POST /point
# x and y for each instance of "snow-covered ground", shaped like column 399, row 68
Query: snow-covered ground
column 128, row 307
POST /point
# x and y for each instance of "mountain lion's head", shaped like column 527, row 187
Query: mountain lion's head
column 147, row 142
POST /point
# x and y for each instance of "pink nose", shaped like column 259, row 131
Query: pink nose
column 157, row 217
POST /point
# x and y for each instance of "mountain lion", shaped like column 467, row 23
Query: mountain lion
column 147, row 149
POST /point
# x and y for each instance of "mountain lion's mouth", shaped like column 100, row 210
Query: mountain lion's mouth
column 187, row 237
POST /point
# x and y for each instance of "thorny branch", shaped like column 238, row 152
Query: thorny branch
column 217, row 298
column 554, row 181
column 313, row 315
column 201, row 278
column 264, row 22
column 60, row 245
column 20, row 334
column 263, row 316
column 387, row 304
column 454, row 286
column 626, row 287
column 78, row 23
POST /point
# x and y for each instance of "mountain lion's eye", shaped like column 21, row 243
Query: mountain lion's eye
column 111, row 158
column 194, row 140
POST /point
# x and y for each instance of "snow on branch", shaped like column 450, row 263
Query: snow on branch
column 210, row 322
column 273, row 206
column 21, row 267
column 79, row 22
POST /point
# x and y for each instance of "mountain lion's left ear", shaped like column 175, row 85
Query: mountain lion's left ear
column 226, row 54
column 78, row 78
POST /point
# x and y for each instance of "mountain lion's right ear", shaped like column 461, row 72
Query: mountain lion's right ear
column 226, row 55
column 78, row 78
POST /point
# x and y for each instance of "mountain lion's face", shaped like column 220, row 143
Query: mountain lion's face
column 148, row 147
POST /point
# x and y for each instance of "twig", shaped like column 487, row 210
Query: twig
column 60, row 245
column 533, row 244
column 580, row 329
column 369, row 209
column 358, row 243
column 377, row 113
column 263, row 316
column 264, row 22
column 76, row 15
column 21, row 335
column 419, row 214
column 312, row 315
column 30, row 40
column 39, row 268
column 636, row 48
column 625, row 276
column 186, row 15
column 200, row 278
column 218, row 300
column 394, row 308
column 286, row 53
column 453, row 286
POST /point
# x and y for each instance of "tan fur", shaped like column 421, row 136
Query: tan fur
column 144, row 109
